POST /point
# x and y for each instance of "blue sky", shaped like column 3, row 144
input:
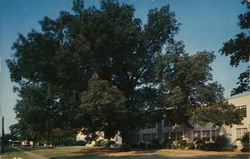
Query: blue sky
column 206, row 24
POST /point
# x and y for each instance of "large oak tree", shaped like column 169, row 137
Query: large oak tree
column 142, row 71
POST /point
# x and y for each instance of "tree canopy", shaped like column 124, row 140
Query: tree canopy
column 143, row 72
column 238, row 50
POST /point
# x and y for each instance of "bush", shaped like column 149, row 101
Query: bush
column 109, row 143
column 104, row 143
column 190, row 146
column 245, row 143
column 200, row 144
column 141, row 144
column 167, row 144
column 155, row 144
column 211, row 147
column 221, row 142
column 174, row 145
column 80, row 143
column 182, row 144
column 99, row 143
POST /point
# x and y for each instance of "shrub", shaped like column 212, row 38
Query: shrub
column 155, row 144
column 104, row 143
column 221, row 142
column 211, row 147
column 174, row 145
column 181, row 144
column 200, row 144
column 80, row 143
column 99, row 143
column 190, row 146
column 245, row 143
column 167, row 144
column 142, row 144
column 109, row 143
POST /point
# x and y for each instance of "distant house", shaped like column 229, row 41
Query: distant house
column 169, row 130
column 82, row 137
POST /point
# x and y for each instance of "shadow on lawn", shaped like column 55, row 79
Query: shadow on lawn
column 35, row 148
column 10, row 149
column 97, row 156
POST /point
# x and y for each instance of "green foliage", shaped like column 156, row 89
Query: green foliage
column 238, row 50
column 218, row 113
column 200, row 144
column 211, row 147
column 80, row 143
column 141, row 145
column 35, row 113
column 167, row 144
column 104, row 108
column 189, row 94
column 155, row 143
column 190, row 146
column 108, row 41
column 221, row 142
column 182, row 144
column 104, row 143
column 99, row 143
column 245, row 142
column 137, row 80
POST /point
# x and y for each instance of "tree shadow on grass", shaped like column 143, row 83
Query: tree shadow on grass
column 97, row 156
column 35, row 148
column 101, row 151
column 10, row 149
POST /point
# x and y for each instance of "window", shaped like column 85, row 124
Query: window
column 197, row 135
column 149, row 137
column 179, row 136
column 168, row 123
column 240, row 132
column 242, row 110
column 206, row 135
column 214, row 134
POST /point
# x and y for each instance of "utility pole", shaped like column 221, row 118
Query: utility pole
column 2, row 140
column 2, row 149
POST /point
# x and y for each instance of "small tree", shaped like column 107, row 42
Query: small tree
column 245, row 142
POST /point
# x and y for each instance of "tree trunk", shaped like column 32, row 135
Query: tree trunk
column 34, row 144
column 47, row 135
column 125, row 140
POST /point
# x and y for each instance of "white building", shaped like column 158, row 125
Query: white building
column 167, row 130
column 82, row 137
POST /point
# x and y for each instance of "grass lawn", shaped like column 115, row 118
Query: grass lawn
column 79, row 152
column 11, row 153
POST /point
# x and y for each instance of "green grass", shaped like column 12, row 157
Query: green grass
column 10, row 153
column 76, row 152
column 80, row 152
